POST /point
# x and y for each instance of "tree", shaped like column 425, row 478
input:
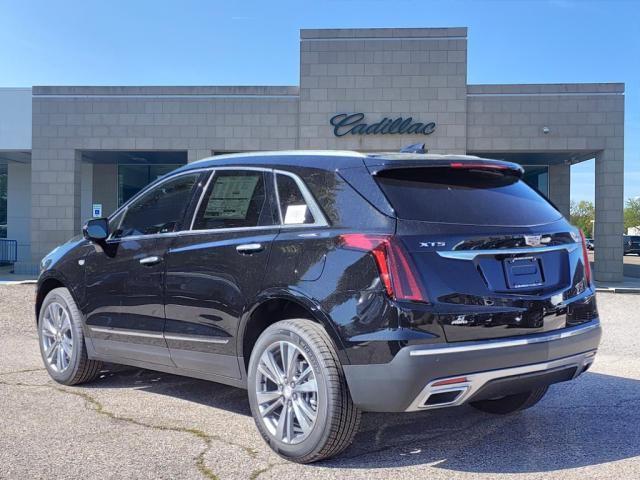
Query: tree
column 632, row 213
column 583, row 213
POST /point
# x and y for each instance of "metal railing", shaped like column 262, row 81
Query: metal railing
column 8, row 251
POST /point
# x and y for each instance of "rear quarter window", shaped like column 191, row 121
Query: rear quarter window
column 460, row 196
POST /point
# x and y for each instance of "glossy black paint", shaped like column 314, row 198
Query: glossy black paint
column 197, row 301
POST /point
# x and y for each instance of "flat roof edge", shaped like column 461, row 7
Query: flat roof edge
column 545, row 88
column 347, row 33
column 257, row 90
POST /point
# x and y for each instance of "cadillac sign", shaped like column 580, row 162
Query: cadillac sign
column 354, row 124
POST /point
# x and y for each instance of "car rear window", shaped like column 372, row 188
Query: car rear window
column 461, row 196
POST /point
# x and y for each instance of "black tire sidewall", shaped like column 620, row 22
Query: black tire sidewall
column 321, row 428
column 64, row 298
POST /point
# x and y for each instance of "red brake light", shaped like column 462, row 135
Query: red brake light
column 585, row 258
column 487, row 166
column 395, row 267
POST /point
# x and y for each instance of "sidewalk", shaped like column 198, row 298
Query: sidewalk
column 628, row 285
column 8, row 278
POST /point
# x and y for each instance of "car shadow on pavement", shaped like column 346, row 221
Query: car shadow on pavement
column 592, row 420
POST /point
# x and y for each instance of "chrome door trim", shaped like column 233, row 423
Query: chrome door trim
column 124, row 332
column 512, row 342
column 195, row 338
column 472, row 254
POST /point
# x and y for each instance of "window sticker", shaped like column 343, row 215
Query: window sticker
column 295, row 214
column 231, row 197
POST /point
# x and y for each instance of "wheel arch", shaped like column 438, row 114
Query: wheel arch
column 277, row 305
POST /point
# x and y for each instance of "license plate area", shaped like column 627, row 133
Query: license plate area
column 523, row 272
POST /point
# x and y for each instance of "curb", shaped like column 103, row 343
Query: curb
column 18, row 282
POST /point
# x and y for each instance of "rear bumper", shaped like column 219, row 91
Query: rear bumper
column 491, row 367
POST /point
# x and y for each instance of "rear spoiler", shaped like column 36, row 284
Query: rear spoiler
column 376, row 164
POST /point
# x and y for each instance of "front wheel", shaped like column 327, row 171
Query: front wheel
column 511, row 403
column 62, row 340
column 298, row 393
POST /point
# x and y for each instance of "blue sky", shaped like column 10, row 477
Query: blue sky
column 144, row 42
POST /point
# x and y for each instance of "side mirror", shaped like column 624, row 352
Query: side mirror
column 96, row 229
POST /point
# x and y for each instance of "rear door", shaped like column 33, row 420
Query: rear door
column 215, row 270
column 497, row 259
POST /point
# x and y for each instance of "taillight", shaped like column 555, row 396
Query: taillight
column 470, row 165
column 396, row 269
column 585, row 258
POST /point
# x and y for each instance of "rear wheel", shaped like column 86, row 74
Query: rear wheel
column 298, row 393
column 62, row 340
column 511, row 403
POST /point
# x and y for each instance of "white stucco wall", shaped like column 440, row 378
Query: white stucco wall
column 15, row 118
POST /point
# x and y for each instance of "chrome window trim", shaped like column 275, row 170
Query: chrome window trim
column 512, row 342
column 320, row 220
column 472, row 254
column 318, row 216
column 124, row 208
column 202, row 194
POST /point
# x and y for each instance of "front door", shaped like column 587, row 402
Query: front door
column 124, row 303
column 214, row 271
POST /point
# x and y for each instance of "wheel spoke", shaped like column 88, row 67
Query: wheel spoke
column 273, row 366
column 50, row 351
column 65, row 324
column 59, row 358
column 307, row 410
column 304, row 375
column 269, row 410
column 303, row 420
column 266, row 397
column 265, row 370
column 307, row 387
column 281, row 424
column 67, row 347
column 290, row 369
column 289, row 424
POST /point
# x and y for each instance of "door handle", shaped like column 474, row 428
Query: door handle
column 150, row 260
column 249, row 248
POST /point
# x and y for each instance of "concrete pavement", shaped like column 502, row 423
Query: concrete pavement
column 133, row 423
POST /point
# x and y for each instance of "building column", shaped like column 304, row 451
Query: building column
column 55, row 199
column 609, row 225
column 560, row 187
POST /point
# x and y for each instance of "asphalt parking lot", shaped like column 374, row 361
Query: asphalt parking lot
column 134, row 423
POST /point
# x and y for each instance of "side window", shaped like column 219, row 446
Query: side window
column 160, row 210
column 294, row 208
column 234, row 199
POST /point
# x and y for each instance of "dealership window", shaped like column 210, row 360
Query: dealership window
column 133, row 178
column 293, row 207
column 3, row 201
column 537, row 176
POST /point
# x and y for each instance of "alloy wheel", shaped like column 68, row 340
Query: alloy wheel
column 57, row 337
column 286, row 392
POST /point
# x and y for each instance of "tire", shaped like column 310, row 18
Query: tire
column 336, row 418
column 71, row 351
column 511, row 403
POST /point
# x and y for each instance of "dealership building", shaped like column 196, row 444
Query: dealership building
column 68, row 153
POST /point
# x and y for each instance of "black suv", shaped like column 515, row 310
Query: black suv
column 328, row 284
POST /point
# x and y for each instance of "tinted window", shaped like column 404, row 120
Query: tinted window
column 464, row 196
column 293, row 207
column 234, row 199
column 160, row 210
